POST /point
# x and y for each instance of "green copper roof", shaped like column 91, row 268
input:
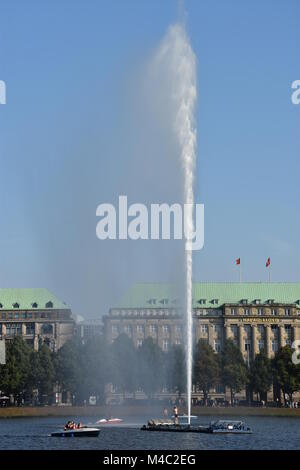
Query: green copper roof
column 26, row 297
column 154, row 295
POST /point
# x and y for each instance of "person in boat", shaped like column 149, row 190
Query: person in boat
column 175, row 412
column 79, row 425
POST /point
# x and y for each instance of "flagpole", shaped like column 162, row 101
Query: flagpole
column 240, row 273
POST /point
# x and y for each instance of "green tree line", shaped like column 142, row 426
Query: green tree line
column 83, row 370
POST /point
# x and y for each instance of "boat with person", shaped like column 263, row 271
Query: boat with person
column 84, row 431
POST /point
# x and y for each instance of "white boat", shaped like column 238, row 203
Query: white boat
column 85, row 431
column 109, row 421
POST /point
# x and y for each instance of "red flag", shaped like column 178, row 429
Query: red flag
column 238, row 261
column 268, row 262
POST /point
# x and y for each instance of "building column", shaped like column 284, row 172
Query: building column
column 268, row 340
column 227, row 331
column 241, row 338
column 281, row 336
column 23, row 329
column 296, row 335
column 211, row 335
column 254, row 340
column 36, row 343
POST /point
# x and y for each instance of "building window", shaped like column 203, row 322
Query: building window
column 127, row 330
column 153, row 329
column 115, row 329
column 274, row 345
column 233, row 311
column 247, row 346
column 165, row 329
column 139, row 343
column 140, row 329
column 261, row 329
column 30, row 329
column 28, row 315
column 274, row 311
column 202, row 301
column 260, row 311
column 287, row 312
column 165, row 345
column 13, row 329
column 261, row 345
column 234, row 330
column 247, row 330
column 178, row 330
column 177, row 342
column 217, row 346
column 246, row 311
column 274, row 329
column 204, row 328
column 288, row 342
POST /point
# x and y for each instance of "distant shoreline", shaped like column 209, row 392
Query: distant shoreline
column 122, row 411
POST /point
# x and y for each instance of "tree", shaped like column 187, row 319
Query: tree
column 14, row 374
column 234, row 370
column 206, row 367
column 124, row 364
column 68, row 366
column 286, row 374
column 151, row 361
column 41, row 372
column 261, row 375
column 176, row 370
column 95, row 368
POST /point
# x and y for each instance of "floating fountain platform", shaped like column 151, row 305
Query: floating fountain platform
column 176, row 428
column 170, row 426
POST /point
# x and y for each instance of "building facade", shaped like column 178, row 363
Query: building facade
column 37, row 316
column 87, row 329
column 255, row 316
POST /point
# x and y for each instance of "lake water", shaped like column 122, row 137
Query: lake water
column 34, row 433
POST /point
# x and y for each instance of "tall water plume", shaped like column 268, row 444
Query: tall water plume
column 176, row 61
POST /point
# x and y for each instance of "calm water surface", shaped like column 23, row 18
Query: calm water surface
column 34, row 433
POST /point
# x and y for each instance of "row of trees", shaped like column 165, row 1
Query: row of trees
column 83, row 370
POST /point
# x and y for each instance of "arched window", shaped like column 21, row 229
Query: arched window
column 34, row 305
column 49, row 304
column 16, row 305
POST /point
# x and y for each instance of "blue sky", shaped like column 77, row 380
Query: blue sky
column 70, row 68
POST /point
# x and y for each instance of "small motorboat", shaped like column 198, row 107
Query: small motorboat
column 84, row 431
column 109, row 421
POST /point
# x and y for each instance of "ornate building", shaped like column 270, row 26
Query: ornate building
column 36, row 315
column 255, row 316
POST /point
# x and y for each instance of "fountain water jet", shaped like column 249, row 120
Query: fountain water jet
column 177, row 61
